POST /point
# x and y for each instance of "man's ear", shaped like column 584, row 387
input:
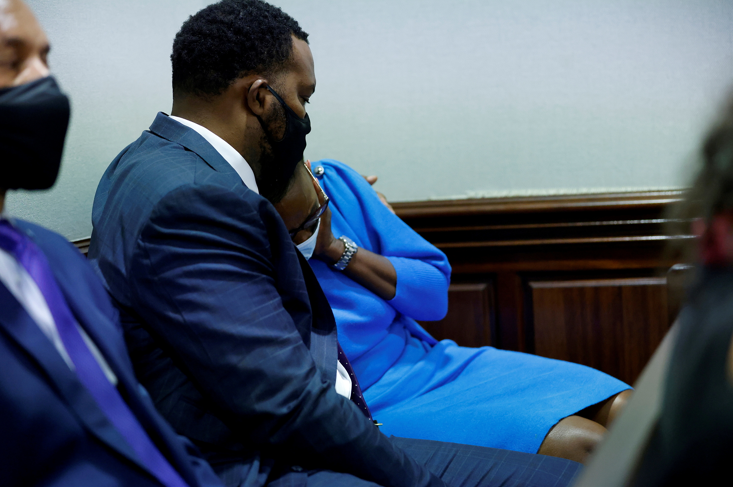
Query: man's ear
column 257, row 96
column 715, row 240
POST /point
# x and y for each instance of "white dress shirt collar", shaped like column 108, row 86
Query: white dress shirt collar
column 226, row 151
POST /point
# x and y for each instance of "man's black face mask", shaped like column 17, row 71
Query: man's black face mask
column 33, row 122
column 278, row 166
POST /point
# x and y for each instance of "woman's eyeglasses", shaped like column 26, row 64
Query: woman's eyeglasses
column 313, row 217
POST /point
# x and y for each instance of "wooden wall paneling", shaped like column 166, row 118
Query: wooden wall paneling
column 83, row 245
column 613, row 325
column 679, row 279
column 510, row 308
column 470, row 321
column 562, row 267
column 606, row 231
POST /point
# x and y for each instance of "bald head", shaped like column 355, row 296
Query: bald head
column 24, row 51
column 24, row 46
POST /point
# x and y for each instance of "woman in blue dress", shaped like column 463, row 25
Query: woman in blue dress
column 415, row 385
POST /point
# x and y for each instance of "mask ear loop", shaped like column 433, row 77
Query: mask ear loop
column 285, row 105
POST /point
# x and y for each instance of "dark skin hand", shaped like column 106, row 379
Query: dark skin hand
column 371, row 270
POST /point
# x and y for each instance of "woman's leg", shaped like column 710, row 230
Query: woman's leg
column 573, row 438
column 605, row 412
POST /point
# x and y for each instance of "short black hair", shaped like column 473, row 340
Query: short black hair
column 228, row 40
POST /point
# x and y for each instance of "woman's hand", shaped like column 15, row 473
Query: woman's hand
column 328, row 247
column 371, row 180
column 371, row 270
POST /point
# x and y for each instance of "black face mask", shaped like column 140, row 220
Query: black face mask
column 287, row 152
column 33, row 122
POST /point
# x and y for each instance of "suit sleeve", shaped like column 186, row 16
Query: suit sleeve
column 423, row 272
column 205, row 282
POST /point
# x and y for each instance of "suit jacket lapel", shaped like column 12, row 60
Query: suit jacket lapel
column 26, row 333
column 167, row 128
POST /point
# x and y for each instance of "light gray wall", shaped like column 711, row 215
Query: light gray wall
column 440, row 99
column 113, row 60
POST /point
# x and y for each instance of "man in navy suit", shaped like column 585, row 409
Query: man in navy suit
column 72, row 411
column 226, row 324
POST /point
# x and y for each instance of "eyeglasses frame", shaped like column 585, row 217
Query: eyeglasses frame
column 313, row 217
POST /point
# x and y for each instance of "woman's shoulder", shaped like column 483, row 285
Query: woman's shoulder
column 331, row 169
column 341, row 179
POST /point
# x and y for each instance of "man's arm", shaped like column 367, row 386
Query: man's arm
column 205, row 278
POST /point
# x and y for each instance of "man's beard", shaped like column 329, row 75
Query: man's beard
column 274, row 178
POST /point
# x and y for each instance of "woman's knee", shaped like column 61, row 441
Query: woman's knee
column 618, row 405
column 605, row 412
column 574, row 438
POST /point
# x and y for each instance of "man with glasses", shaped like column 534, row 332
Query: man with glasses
column 227, row 326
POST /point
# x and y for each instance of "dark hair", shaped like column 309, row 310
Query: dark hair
column 712, row 190
column 228, row 40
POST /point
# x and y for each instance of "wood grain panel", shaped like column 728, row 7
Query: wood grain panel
column 83, row 245
column 679, row 278
column 470, row 319
column 560, row 233
column 613, row 325
column 510, row 312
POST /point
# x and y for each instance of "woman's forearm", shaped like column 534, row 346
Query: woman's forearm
column 371, row 270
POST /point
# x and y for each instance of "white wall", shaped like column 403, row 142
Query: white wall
column 440, row 99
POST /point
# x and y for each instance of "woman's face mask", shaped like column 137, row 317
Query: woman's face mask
column 309, row 246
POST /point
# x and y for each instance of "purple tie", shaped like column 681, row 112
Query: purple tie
column 356, row 396
column 87, row 368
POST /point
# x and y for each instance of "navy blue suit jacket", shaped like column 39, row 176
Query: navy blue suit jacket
column 52, row 431
column 227, row 327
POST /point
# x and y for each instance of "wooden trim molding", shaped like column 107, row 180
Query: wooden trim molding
column 618, row 220
column 82, row 244
column 585, row 202
column 611, row 231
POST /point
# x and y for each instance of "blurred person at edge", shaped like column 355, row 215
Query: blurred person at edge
column 72, row 411
column 692, row 443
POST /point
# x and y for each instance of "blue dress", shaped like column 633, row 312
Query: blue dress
column 422, row 388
